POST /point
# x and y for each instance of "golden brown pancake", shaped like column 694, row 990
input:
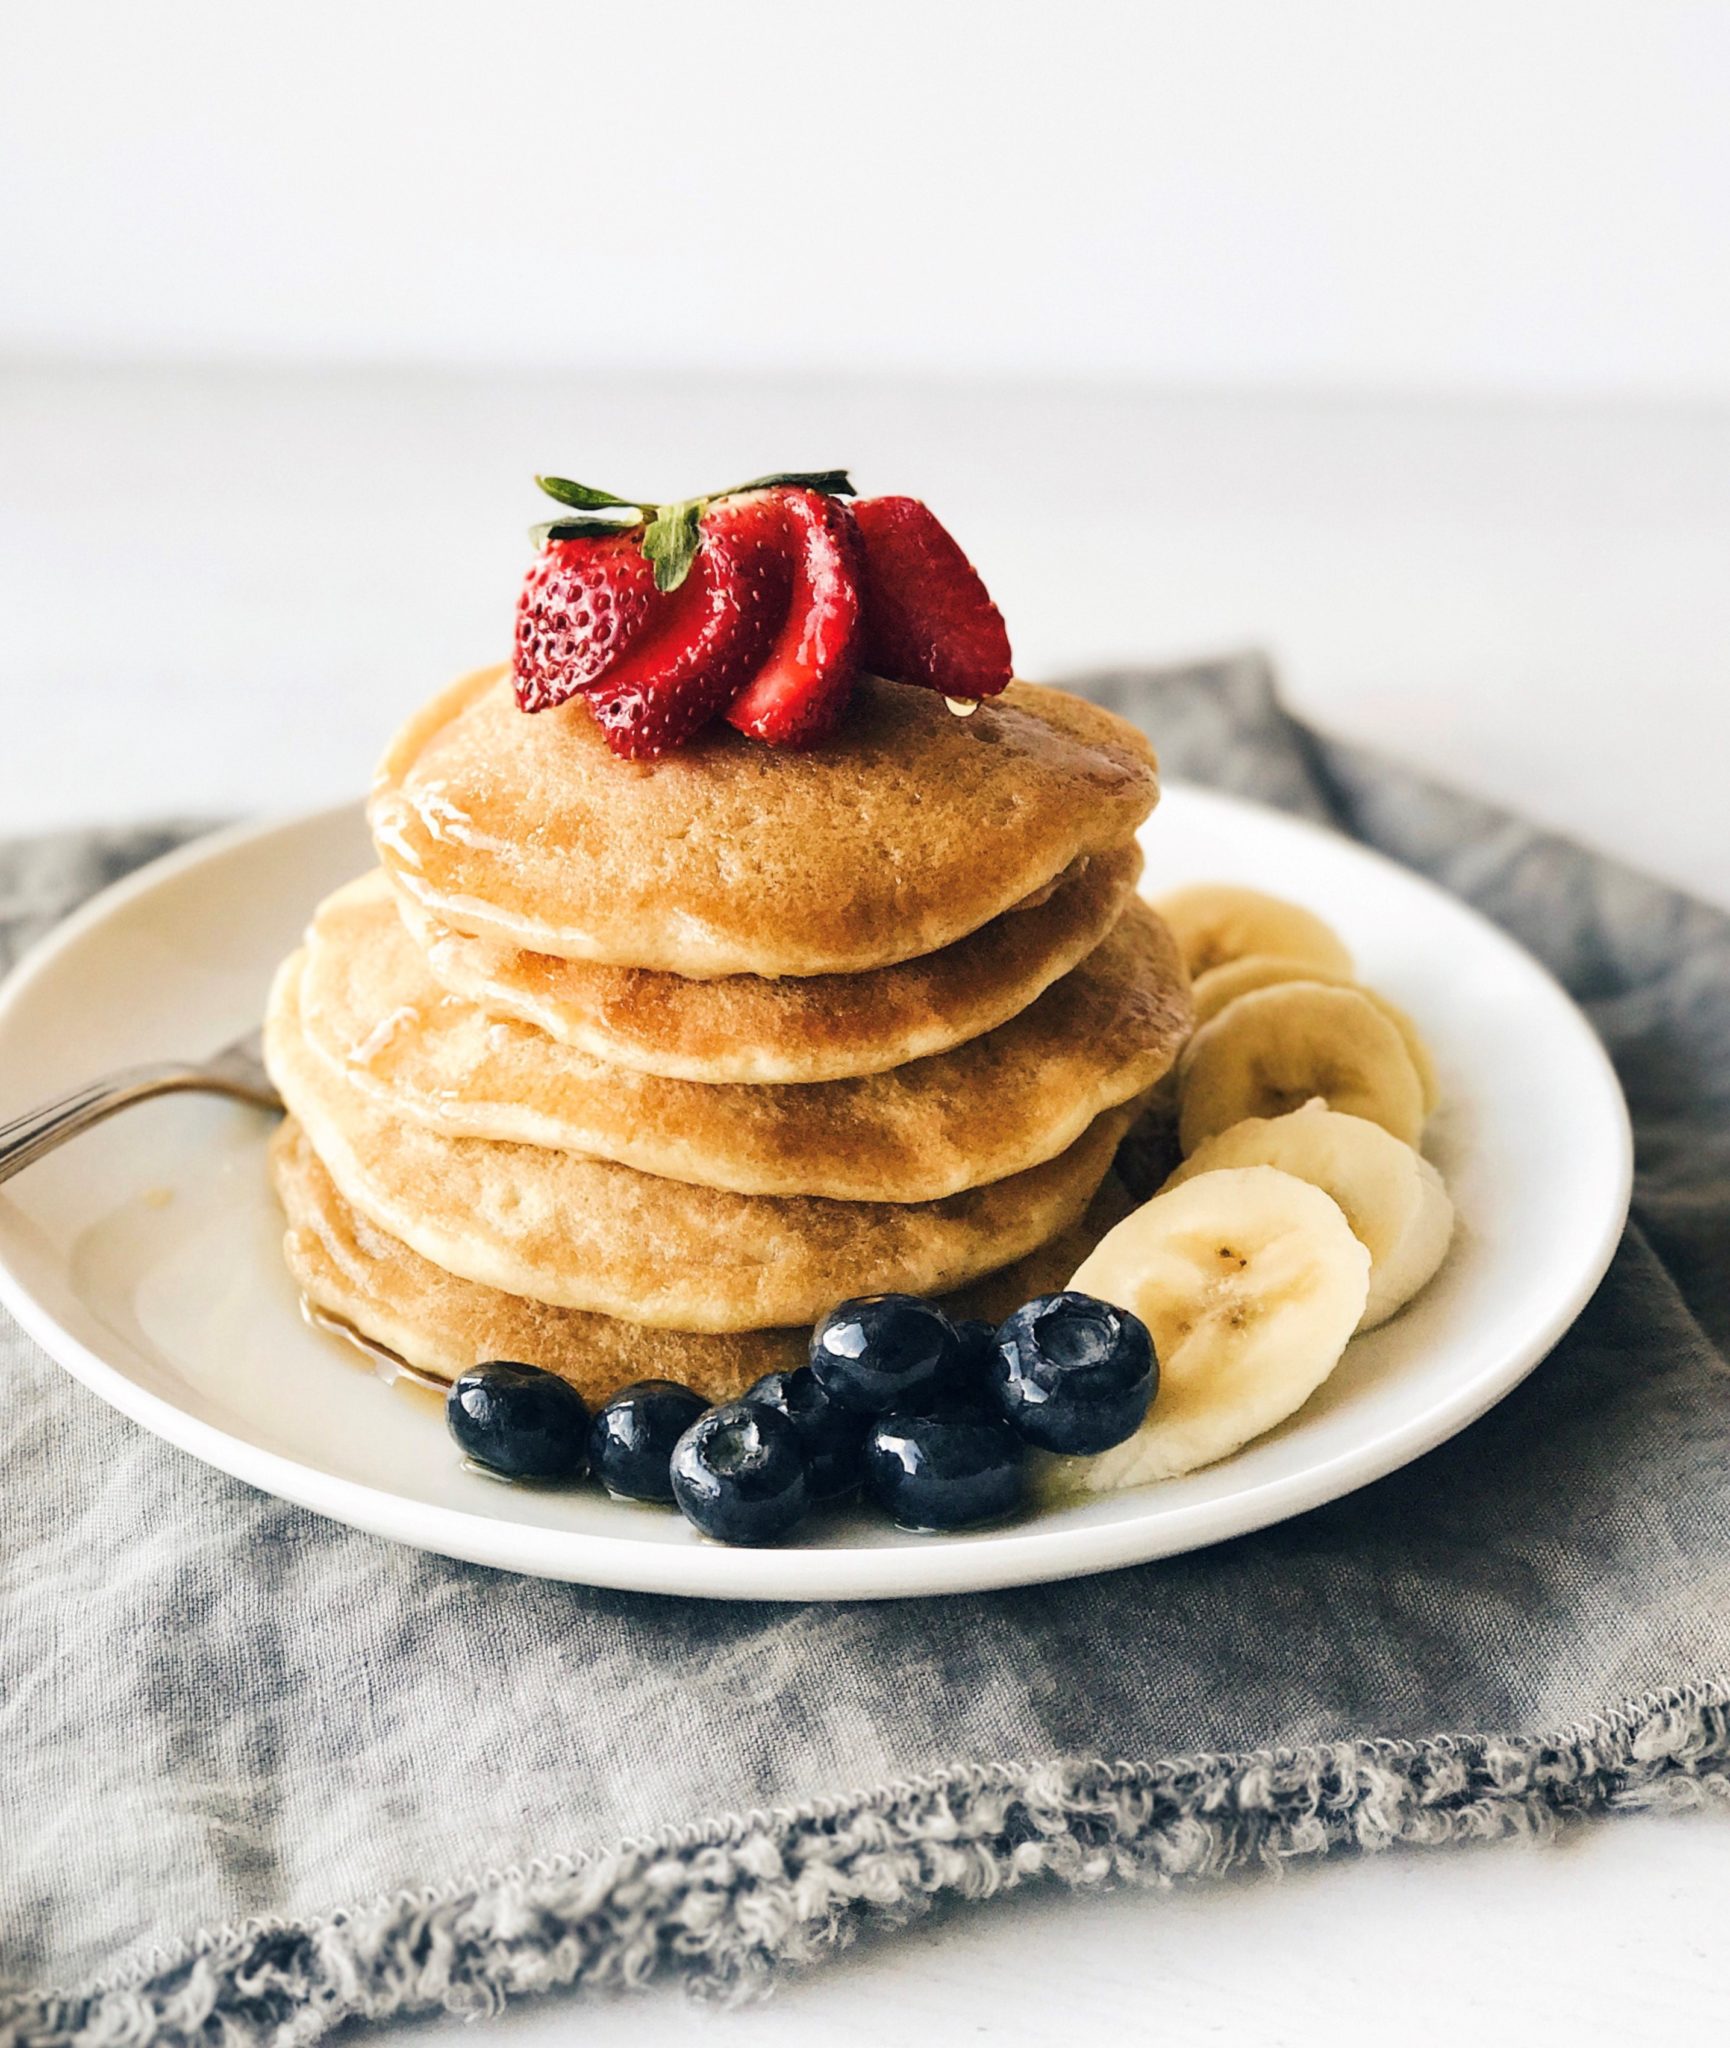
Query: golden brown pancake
column 904, row 832
column 820, row 1027
column 354, row 1271
column 987, row 1109
column 586, row 1233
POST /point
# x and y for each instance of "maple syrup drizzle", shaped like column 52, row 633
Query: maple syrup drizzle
column 388, row 1364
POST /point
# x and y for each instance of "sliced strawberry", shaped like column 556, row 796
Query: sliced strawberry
column 800, row 690
column 584, row 602
column 703, row 640
column 928, row 617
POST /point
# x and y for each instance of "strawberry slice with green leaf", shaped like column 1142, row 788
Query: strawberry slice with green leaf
column 928, row 617
column 703, row 640
column 760, row 603
column 605, row 573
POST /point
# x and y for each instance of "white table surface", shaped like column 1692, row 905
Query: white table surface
column 218, row 590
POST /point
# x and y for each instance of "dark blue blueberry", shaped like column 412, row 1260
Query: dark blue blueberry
column 739, row 1474
column 945, row 1471
column 632, row 1436
column 1074, row 1374
column 519, row 1420
column 883, row 1352
column 834, row 1437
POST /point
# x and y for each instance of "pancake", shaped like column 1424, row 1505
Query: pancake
column 586, row 1233
column 350, row 1269
column 820, row 1027
column 987, row 1109
column 904, row 832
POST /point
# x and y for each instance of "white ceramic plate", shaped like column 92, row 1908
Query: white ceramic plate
column 144, row 1255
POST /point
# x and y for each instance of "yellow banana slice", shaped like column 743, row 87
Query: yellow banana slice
column 1251, row 1283
column 1274, row 1049
column 1214, row 922
column 1392, row 1197
column 1224, row 984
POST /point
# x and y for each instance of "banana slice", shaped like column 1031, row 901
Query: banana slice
column 1215, row 921
column 1224, row 984
column 1272, row 1050
column 1251, row 1283
column 1392, row 1197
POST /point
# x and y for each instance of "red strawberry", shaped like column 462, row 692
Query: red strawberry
column 803, row 684
column 928, row 617
column 703, row 640
column 583, row 604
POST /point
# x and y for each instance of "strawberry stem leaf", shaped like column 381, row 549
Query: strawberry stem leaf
column 584, row 498
column 578, row 529
column 833, row 483
column 670, row 542
column 673, row 533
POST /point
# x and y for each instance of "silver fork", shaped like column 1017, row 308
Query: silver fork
column 237, row 1070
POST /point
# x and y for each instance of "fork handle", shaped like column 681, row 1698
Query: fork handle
column 26, row 1138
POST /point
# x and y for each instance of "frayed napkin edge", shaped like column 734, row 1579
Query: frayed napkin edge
column 728, row 1903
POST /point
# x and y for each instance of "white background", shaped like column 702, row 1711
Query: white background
column 1395, row 338
column 1483, row 195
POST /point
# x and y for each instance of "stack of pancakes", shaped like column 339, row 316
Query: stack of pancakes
column 633, row 1071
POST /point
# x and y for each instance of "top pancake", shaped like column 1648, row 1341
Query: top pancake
column 905, row 831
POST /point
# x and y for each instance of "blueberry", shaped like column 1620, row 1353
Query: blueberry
column 632, row 1436
column 945, row 1471
column 519, row 1420
column 882, row 1352
column 739, row 1474
column 1074, row 1374
column 834, row 1438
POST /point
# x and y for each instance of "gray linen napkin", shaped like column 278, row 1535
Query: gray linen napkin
column 264, row 1774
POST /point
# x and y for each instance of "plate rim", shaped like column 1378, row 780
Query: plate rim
column 988, row 1560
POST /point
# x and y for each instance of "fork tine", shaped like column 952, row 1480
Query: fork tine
column 242, row 1065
